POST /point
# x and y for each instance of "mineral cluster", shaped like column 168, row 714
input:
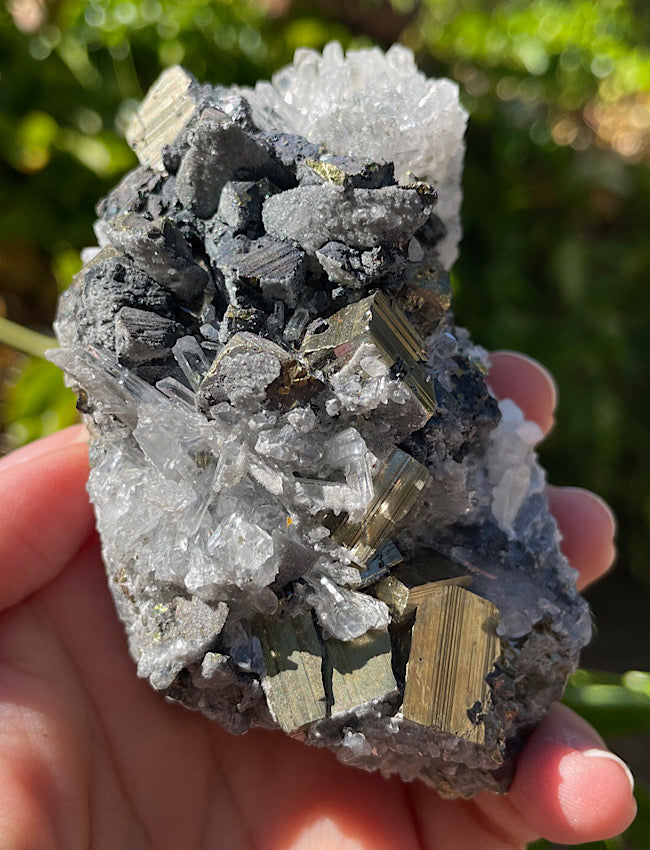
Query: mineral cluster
column 314, row 514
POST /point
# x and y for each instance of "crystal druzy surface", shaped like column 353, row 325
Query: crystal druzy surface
column 314, row 514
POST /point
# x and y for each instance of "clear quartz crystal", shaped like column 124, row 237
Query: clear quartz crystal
column 317, row 496
column 175, row 390
column 344, row 613
column 296, row 325
column 345, row 448
column 192, row 360
column 210, row 331
column 193, row 517
column 303, row 419
column 288, row 444
column 348, row 451
column 232, row 465
column 243, row 553
column 267, row 476
column 275, row 322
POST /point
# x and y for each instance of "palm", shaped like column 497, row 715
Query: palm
column 92, row 757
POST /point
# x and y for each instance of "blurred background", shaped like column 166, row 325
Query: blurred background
column 555, row 259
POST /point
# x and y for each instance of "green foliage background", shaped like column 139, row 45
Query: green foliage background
column 556, row 255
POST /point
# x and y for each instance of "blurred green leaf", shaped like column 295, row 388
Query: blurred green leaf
column 38, row 403
column 615, row 705
column 66, row 262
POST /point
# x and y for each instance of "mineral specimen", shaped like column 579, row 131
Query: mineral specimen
column 314, row 514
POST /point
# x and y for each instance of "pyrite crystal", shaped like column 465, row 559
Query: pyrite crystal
column 314, row 514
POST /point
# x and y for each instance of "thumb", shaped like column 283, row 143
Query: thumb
column 568, row 785
column 45, row 515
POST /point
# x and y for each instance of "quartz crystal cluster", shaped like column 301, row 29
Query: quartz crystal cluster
column 314, row 514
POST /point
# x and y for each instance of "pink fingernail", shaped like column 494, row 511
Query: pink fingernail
column 595, row 499
column 607, row 754
column 525, row 358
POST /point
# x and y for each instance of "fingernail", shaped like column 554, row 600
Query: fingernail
column 598, row 502
column 82, row 436
column 606, row 754
column 602, row 504
column 541, row 369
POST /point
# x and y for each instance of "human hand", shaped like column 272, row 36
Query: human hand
column 92, row 757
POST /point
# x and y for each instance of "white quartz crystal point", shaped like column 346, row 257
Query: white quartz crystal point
column 374, row 105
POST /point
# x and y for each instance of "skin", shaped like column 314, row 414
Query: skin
column 91, row 757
